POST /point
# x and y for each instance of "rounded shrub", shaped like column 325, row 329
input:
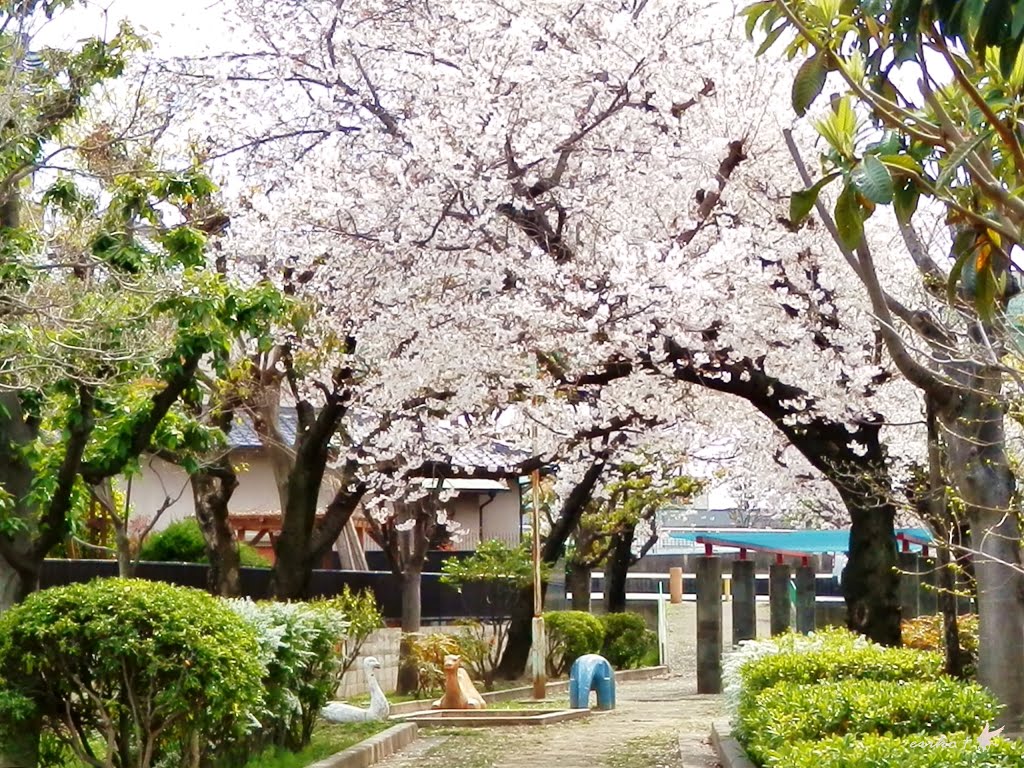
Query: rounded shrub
column 140, row 673
column 179, row 542
column 300, row 649
column 628, row 644
column 183, row 542
column 571, row 634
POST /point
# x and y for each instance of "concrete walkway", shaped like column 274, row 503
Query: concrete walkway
column 660, row 723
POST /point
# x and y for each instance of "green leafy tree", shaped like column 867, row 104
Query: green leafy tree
column 497, row 573
column 607, row 533
column 929, row 97
column 109, row 313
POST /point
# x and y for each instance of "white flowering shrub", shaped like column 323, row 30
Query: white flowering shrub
column 301, row 647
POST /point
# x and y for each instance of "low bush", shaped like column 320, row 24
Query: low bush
column 126, row 672
column 884, row 751
column 300, row 648
column 363, row 614
column 183, row 542
column 481, row 650
column 628, row 644
column 836, row 661
column 571, row 634
column 790, row 712
column 427, row 652
column 925, row 633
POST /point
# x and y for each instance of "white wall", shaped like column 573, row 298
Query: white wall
column 500, row 518
column 256, row 492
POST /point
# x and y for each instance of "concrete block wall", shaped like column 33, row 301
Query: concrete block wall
column 384, row 644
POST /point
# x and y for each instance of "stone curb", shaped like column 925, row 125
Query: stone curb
column 526, row 692
column 373, row 749
column 730, row 753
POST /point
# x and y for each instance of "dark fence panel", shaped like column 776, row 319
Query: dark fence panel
column 440, row 603
column 378, row 561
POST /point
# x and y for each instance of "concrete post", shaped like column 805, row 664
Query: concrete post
column 805, row 594
column 744, row 601
column 675, row 585
column 778, row 597
column 928, row 601
column 709, row 625
column 910, row 585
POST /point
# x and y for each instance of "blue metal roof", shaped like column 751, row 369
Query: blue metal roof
column 792, row 543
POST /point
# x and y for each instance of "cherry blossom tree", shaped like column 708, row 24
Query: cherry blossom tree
column 548, row 205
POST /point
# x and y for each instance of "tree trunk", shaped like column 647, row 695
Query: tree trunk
column 520, row 630
column 212, row 489
column 849, row 455
column 411, row 599
column 123, row 547
column 947, row 607
column 616, row 569
column 408, row 675
column 14, row 586
column 578, row 582
column 980, row 471
column 870, row 579
column 293, row 564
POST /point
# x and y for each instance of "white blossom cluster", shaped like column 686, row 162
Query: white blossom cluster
column 494, row 200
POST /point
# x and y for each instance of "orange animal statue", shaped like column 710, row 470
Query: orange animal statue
column 459, row 692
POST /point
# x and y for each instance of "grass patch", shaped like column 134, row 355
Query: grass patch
column 327, row 739
column 654, row 750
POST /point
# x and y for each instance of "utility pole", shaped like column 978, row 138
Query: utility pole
column 538, row 652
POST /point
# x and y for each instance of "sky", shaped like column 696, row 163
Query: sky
column 176, row 27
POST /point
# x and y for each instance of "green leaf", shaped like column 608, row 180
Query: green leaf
column 839, row 127
column 753, row 13
column 872, row 180
column 770, row 40
column 849, row 218
column 964, row 246
column 807, row 85
column 802, row 201
column 889, row 145
column 957, row 157
column 901, row 162
column 905, row 200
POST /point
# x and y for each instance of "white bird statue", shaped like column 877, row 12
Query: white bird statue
column 340, row 712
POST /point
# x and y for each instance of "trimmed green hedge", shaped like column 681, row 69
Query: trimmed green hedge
column 789, row 712
column 881, row 751
column 836, row 662
column 571, row 634
column 628, row 643
column 835, row 700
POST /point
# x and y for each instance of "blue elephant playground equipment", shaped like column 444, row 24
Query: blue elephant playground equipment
column 591, row 672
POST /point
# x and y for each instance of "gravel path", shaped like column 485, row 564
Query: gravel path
column 660, row 723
